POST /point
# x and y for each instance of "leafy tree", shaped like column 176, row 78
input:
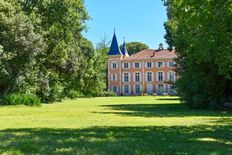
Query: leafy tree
column 135, row 47
column 201, row 33
column 19, row 52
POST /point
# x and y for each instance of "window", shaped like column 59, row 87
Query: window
column 137, row 65
column 126, row 65
column 126, row 89
column 114, row 77
column 149, row 64
column 172, row 76
column 149, row 76
column 160, row 89
column 115, row 89
column 172, row 64
column 126, row 77
column 160, row 64
column 160, row 76
column 137, row 77
column 114, row 65
column 137, row 89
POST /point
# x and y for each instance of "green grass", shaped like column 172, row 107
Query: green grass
column 117, row 125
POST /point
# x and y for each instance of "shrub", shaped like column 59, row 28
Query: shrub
column 21, row 99
column 107, row 94
column 74, row 94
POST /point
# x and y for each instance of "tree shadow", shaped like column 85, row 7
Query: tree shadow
column 169, row 99
column 161, row 110
column 119, row 140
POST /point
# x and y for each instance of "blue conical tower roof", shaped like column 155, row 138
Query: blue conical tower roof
column 114, row 48
column 124, row 49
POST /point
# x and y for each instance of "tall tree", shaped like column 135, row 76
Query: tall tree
column 201, row 33
column 19, row 52
column 135, row 47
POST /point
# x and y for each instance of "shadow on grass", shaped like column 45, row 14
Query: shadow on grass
column 119, row 140
column 169, row 99
column 161, row 110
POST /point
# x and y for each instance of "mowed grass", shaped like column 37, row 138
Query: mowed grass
column 115, row 125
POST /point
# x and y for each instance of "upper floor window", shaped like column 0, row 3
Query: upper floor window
column 172, row 76
column 149, row 76
column 126, row 77
column 114, row 77
column 114, row 65
column 160, row 76
column 126, row 65
column 137, row 65
column 149, row 64
column 160, row 64
column 137, row 77
column 172, row 64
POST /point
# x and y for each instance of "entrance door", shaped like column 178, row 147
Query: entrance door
column 150, row 89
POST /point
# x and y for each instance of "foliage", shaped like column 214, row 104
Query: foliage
column 20, row 99
column 107, row 94
column 115, row 125
column 74, row 94
column 135, row 47
column 200, row 31
column 43, row 52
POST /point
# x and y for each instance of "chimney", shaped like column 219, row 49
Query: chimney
column 161, row 47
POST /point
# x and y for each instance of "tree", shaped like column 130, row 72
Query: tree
column 202, row 40
column 135, row 47
column 19, row 52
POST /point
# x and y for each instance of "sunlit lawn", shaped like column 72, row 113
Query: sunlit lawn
column 118, row 125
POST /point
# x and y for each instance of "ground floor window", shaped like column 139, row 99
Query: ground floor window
column 115, row 89
column 126, row 89
column 160, row 89
column 137, row 89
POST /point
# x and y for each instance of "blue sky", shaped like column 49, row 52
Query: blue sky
column 136, row 20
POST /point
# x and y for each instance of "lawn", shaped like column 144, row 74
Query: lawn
column 115, row 125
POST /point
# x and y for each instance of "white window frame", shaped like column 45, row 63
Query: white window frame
column 152, row 65
column 173, row 74
column 124, row 90
column 163, row 64
column 157, row 76
column 140, row 88
column 123, row 65
column 114, row 86
column 112, row 65
column 137, row 63
column 140, row 76
column 152, row 76
column 124, row 76
column 114, row 77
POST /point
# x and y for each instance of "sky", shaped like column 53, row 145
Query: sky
column 136, row 20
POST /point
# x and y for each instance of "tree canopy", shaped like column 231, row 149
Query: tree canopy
column 135, row 47
column 43, row 52
column 201, row 32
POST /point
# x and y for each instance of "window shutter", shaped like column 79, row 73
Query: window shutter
column 134, row 77
column 152, row 74
column 164, row 75
column 140, row 79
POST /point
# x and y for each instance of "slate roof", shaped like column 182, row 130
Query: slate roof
column 114, row 48
column 124, row 49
